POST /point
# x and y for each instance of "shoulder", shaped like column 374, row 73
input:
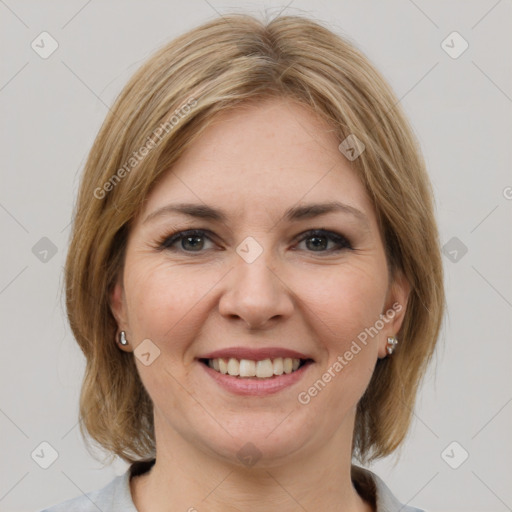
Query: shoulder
column 114, row 497
column 373, row 488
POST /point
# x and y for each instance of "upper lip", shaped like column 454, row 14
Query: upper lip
column 254, row 354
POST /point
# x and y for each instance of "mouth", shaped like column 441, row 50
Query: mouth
column 256, row 372
column 268, row 368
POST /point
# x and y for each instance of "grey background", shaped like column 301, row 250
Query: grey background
column 461, row 111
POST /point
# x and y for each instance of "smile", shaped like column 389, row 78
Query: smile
column 247, row 368
column 252, row 371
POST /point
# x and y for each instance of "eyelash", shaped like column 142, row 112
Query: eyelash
column 167, row 242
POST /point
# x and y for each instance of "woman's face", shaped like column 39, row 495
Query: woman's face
column 262, row 276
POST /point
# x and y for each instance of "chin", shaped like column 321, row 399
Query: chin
column 266, row 442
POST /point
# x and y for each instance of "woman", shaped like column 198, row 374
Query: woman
column 254, row 275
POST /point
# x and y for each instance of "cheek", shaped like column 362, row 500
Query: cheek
column 163, row 298
column 345, row 300
column 343, row 308
column 342, row 303
column 163, row 306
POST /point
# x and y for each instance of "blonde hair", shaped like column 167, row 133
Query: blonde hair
column 223, row 64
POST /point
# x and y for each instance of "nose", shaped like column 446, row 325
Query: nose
column 256, row 294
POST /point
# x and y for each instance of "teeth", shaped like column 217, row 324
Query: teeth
column 248, row 368
column 264, row 369
column 233, row 367
column 223, row 366
column 278, row 366
column 261, row 369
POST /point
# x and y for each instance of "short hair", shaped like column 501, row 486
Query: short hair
column 224, row 64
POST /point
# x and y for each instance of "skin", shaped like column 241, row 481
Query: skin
column 202, row 296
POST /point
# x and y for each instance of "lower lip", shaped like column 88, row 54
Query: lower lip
column 253, row 386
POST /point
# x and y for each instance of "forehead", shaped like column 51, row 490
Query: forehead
column 262, row 157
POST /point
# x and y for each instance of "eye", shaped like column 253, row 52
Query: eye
column 317, row 240
column 191, row 240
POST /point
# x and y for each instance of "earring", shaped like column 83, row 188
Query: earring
column 122, row 338
column 392, row 342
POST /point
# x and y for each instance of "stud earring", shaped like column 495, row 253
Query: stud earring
column 122, row 338
column 392, row 342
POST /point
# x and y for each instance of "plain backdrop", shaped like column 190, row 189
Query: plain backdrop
column 460, row 107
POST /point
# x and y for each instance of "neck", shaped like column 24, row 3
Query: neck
column 186, row 478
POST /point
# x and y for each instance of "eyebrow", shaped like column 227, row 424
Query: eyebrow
column 295, row 213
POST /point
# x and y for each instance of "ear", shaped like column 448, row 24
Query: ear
column 118, row 307
column 394, row 310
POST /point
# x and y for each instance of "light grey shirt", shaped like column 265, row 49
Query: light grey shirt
column 116, row 495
